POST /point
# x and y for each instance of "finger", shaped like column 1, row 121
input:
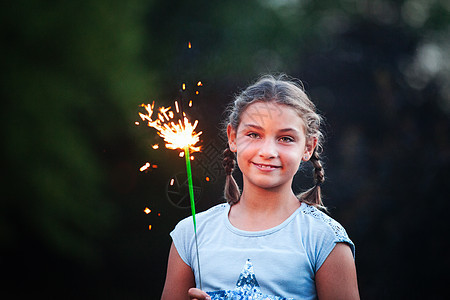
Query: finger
column 196, row 294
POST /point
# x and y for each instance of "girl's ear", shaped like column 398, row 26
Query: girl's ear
column 231, row 133
column 310, row 145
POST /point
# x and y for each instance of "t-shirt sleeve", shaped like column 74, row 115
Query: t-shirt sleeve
column 331, row 233
column 180, row 237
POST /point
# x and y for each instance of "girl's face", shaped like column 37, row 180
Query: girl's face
column 270, row 143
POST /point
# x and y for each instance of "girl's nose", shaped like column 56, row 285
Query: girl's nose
column 268, row 149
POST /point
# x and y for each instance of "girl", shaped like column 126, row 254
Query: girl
column 266, row 242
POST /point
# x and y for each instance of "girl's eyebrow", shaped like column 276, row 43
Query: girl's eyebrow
column 253, row 126
column 289, row 129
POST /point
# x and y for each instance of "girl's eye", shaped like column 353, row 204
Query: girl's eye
column 286, row 139
column 253, row 135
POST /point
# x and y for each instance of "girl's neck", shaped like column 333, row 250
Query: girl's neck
column 259, row 199
column 262, row 209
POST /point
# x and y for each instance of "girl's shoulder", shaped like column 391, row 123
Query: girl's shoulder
column 319, row 216
column 214, row 211
column 210, row 214
column 323, row 222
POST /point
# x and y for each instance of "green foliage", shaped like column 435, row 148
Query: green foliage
column 71, row 80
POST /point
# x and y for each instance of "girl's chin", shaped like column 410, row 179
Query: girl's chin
column 265, row 183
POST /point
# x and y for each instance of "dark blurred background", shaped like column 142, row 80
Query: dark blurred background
column 73, row 76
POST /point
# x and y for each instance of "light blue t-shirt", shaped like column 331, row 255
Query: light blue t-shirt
column 276, row 263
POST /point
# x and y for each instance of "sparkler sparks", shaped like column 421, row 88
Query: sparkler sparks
column 177, row 134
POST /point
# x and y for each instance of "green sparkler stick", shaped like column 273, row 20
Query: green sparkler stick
column 191, row 196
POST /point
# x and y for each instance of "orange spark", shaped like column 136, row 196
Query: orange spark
column 144, row 167
column 155, row 166
column 199, row 83
column 196, row 92
column 159, row 214
column 136, row 123
column 155, row 146
column 183, row 86
column 149, row 227
column 190, row 103
column 163, row 111
column 207, row 178
column 147, row 210
column 176, row 107
column 171, row 181
column 192, row 158
column 189, row 45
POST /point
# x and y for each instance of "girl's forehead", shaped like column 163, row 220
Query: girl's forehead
column 271, row 113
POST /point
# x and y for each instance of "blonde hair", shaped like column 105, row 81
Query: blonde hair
column 280, row 90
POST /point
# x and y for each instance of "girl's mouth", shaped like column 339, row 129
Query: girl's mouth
column 266, row 167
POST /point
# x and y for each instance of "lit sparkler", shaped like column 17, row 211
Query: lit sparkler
column 178, row 134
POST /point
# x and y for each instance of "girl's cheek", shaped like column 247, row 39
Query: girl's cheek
column 246, row 142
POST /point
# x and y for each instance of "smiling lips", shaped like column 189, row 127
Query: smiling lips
column 265, row 167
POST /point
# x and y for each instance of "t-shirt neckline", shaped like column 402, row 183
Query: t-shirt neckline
column 261, row 232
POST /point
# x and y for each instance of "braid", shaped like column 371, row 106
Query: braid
column 228, row 161
column 318, row 169
column 231, row 191
column 313, row 196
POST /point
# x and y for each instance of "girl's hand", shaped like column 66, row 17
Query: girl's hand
column 196, row 294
